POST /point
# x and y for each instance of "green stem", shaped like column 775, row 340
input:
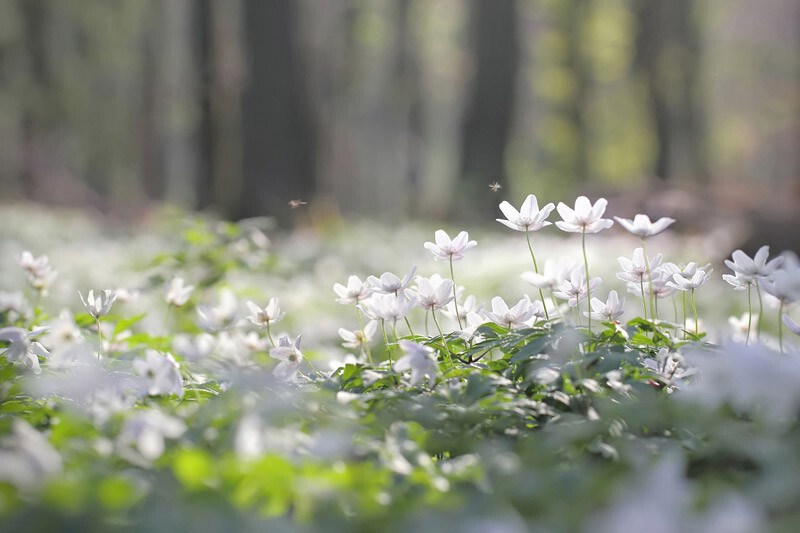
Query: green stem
column 644, row 303
column 536, row 269
column 684, row 314
column 760, row 310
column 649, row 277
column 411, row 331
column 269, row 334
column 441, row 334
column 100, row 337
column 385, row 341
column 455, row 294
column 588, row 285
column 694, row 311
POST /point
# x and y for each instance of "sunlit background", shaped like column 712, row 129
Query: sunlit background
column 405, row 108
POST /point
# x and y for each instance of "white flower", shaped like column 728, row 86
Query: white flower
column 142, row 437
column 515, row 317
column 741, row 325
column 758, row 266
column 447, row 249
column 528, row 218
column 585, row 217
column 27, row 458
column 194, row 348
column 434, row 293
column 468, row 306
column 389, row 283
column 358, row 338
column 738, row 281
column 389, row 306
column 641, row 225
column 21, row 348
column 574, row 289
column 784, row 283
column 695, row 282
column 269, row 314
column 636, row 270
column 220, row 316
column 355, row 291
column 554, row 272
column 178, row 292
column 62, row 331
column 418, row 359
column 161, row 373
column 101, row 305
column 38, row 270
column 608, row 311
column 290, row 357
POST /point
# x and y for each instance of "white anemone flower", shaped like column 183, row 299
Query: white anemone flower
column 266, row 316
column 220, row 316
column 574, row 289
column 608, row 311
column 755, row 267
column 554, row 272
column 585, row 217
column 38, row 270
column 739, row 282
column 160, row 372
column 512, row 318
column 100, row 305
column 635, row 270
column 643, row 227
column 141, row 440
column 390, row 283
column 354, row 293
column 529, row 217
column 358, row 338
column 683, row 283
column 21, row 348
column 419, row 360
column 447, row 249
column 434, row 293
column 290, row 357
column 27, row 459
column 793, row 326
column 177, row 292
column 389, row 306
column 783, row 284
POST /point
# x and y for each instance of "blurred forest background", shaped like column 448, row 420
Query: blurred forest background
column 400, row 108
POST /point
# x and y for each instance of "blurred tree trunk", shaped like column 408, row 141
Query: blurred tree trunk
column 489, row 111
column 668, row 58
column 277, row 131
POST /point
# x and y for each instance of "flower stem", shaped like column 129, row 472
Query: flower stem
column 649, row 277
column 408, row 323
column 269, row 334
column 644, row 303
column 749, row 313
column 760, row 310
column 385, row 340
column 100, row 337
column 455, row 294
column 694, row 311
column 588, row 284
column 536, row 269
column 684, row 314
column 366, row 344
column 444, row 344
column 780, row 325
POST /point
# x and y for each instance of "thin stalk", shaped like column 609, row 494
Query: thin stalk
column 366, row 344
column 684, row 314
column 655, row 307
column 408, row 324
column 674, row 308
column 553, row 301
column 441, row 334
column 588, row 285
column 649, row 276
column 269, row 334
column 385, row 340
column 780, row 325
column 694, row 311
column 100, row 337
column 749, row 313
column 536, row 269
column 760, row 310
column 455, row 294
column 644, row 303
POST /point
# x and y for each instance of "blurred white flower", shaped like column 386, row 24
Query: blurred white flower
column 643, row 227
column 357, row 339
column 38, row 270
column 141, row 440
column 554, row 272
column 529, row 217
column 27, row 458
column 14, row 305
column 21, row 348
column 574, row 289
column 161, row 373
column 758, row 266
column 793, row 326
column 389, row 306
column 354, row 293
column 419, row 360
column 447, row 249
column 513, row 318
column 290, row 357
column 220, row 316
column 585, row 217
column 177, row 292
column 100, row 305
column 62, row 331
column 682, row 283
column 741, row 325
column 194, row 348
column 266, row 316
column 783, row 283
column 608, row 311
column 469, row 306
